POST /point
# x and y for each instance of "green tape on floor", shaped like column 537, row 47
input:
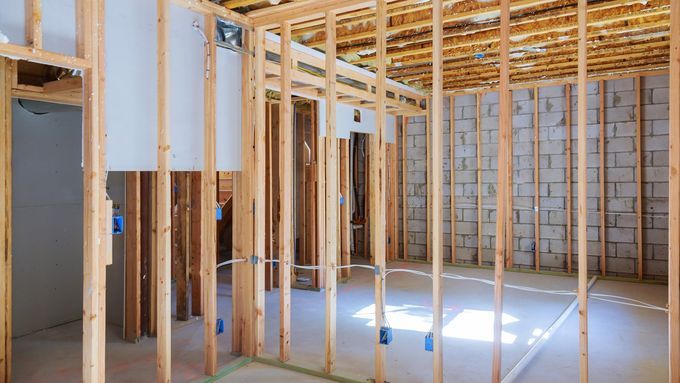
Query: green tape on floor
column 306, row 371
column 231, row 367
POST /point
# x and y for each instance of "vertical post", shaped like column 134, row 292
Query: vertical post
column 182, row 250
column 638, row 174
column 259, row 190
column 7, row 68
column 163, row 208
column 93, row 280
column 603, row 205
column 509, row 211
column 33, row 15
column 478, row 121
column 196, row 236
column 452, row 174
column 331, row 193
column 437, row 165
column 428, row 159
column 567, row 92
column 537, row 187
column 394, row 196
column 674, row 203
column 285, row 194
column 133, row 257
column 504, row 123
column 377, row 186
column 209, row 188
column 345, row 209
column 583, row 188
column 404, row 185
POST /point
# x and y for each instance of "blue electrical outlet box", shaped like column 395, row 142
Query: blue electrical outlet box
column 342, row 200
column 219, row 328
column 385, row 335
column 429, row 344
column 118, row 224
column 218, row 213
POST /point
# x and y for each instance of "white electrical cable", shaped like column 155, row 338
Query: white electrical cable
column 369, row 267
column 416, row 272
column 229, row 262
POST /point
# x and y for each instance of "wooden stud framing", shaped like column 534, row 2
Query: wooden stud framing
column 7, row 68
column 133, row 257
column 509, row 210
column 259, row 192
column 583, row 189
column 674, row 202
column 603, row 202
column 537, row 188
column 182, row 246
column 33, row 13
column 638, row 174
column 504, row 124
column 163, row 208
column 428, row 159
column 452, row 173
column 196, row 243
column 345, row 209
column 437, row 165
column 286, row 246
column 209, row 188
column 404, row 185
column 331, row 196
column 478, row 121
column 567, row 92
column 377, row 186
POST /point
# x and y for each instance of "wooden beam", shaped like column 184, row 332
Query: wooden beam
column 209, row 8
column 37, row 93
column 163, row 208
column 638, row 174
column 603, row 202
column 133, row 257
column 377, row 186
column 428, row 158
column 181, row 246
column 196, row 240
column 537, row 188
column 452, row 174
column 286, row 245
column 259, row 191
column 94, row 290
column 331, row 195
column 64, row 85
column 404, row 185
column 40, row 56
column 345, row 209
column 437, row 166
column 478, row 121
column 302, row 11
column 33, row 16
column 674, row 202
column 504, row 124
column 209, row 188
column 567, row 92
column 582, row 150
column 509, row 210
column 7, row 69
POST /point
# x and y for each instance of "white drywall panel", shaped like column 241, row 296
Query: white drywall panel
column 345, row 121
column 229, row 90
column 12, row 21
column 59, row 26
column 187, row 74
column 131, row 85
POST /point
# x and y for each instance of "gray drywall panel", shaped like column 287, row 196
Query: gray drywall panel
column 345, row 121
column 187, row 71
column 12, row 21
column 59, row 26
column 131, row 82
column 228, row 118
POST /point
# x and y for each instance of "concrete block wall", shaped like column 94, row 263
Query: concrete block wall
column 620, row 182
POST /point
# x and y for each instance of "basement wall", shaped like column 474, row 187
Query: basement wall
column 620, row 182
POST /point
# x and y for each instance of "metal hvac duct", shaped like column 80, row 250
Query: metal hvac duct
column 229, row 36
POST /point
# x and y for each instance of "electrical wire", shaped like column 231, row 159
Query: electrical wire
column 229, row 262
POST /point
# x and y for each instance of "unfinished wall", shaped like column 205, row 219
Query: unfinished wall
column 620, row 182
column 48, row 220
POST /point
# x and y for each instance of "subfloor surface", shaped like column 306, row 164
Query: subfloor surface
column 627, row 344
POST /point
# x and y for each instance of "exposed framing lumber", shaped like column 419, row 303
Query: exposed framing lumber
column 285, row 226
column 133, row 257
column 428, row 159
column 7, row 70
column 509, row 210
column 208, row 8
column 181, row 245
column 303, row 11
column 41, row 56
column 638, row 175
column 345, row 209
column 196, row 243
column 674, row 202
column 452, row 173
column 504, row 124
column 163, row 208
column 37, row 93
column 404, row 185
column 259, row 192
column 33, row 16
column 377, row 187
column 478, row 149
column 437, row 165
column 537, row 188
column 209, row 188
column 332, row 203
column 392, row 213
column 603, row 202
column 583, row 189
column 567, row 92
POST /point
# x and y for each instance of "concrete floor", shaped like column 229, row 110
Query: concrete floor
column 257, row 372
column 626, row 344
